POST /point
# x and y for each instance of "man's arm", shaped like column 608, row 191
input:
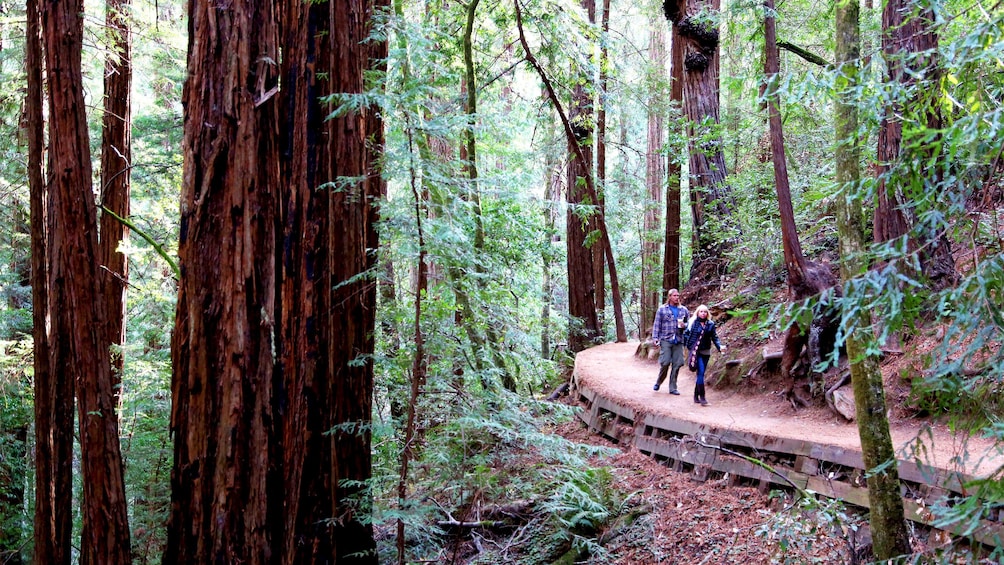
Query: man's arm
column 656, row 325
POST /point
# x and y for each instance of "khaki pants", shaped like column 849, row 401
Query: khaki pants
column 670, row 354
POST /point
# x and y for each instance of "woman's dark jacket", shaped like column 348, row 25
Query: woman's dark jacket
column 693, row 333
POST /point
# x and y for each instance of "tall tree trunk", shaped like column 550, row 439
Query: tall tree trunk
column 909, row 43
column 53, row 389
column 711, row 197
column 583, row 207
column 805, row 278
column 306, row 326
column 601, row 155
column 226, row 496
column 674, row 174
column 889, row 534
column 75, row 295
column 655, row 176
column 352, row 212
column 116, row 161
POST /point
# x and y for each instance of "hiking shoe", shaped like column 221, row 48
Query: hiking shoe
column 674, row 391
column 704, row 403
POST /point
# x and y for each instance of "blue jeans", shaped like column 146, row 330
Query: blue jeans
column 702, row 365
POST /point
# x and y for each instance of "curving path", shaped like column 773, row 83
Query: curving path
column 812, row 449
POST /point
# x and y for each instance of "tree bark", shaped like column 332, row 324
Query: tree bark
column 671, row 263
column 805, row 278
column 116, row 161
column 889, row 533
column 583, row 288
column 655, row 176
column 908, row 35
column 226, row 496
column 352, row 212
column 75, row 294
column 306, row 329
column 53, row 390
column 711, row 197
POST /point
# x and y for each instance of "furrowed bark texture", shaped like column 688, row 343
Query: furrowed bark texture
column 75, row 295
column 710, row 196
column 53, row 390
column 353, row 295
column 306, row 325
column 225, row 485
column 116, row 160
column 671, row 261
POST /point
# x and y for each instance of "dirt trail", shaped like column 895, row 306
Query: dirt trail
column 613, row 371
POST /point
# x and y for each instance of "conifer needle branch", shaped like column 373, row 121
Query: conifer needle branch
column 156, row 246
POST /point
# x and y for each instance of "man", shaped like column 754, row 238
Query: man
column 667, row 331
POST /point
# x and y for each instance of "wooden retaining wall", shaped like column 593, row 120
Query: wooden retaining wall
column 829, row 471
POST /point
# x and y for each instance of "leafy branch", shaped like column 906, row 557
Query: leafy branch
column 153, row 243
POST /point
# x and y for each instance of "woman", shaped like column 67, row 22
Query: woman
column 698, row 338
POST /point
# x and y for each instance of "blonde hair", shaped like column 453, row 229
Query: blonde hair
column 698, row 310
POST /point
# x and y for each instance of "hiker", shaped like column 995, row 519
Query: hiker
column 698, row 337
column 667, row 332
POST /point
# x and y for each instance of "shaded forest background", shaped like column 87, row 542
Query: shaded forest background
column 535, row 183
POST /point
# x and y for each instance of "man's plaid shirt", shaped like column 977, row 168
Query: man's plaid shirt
column 665, row 323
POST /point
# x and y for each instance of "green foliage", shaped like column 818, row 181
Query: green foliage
column 479, row 449
column 15, row 420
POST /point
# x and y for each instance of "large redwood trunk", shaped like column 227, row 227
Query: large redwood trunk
column 116, row 161
column 352, row 213
column 327, row 307
column 75, row 297
column 226, row 489
column 305, row 327
column 710, row 196
column 671, row 261
column 655, row 176
column 582, row 284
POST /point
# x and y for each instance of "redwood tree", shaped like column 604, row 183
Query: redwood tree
column 909, row 44
column 327, row 301
column 225, row 500
column 580, row 219
column 671, row 257
column 710, row 196
column 116, row 162
column 655, row 176
column 53, row 402
column 75, row 297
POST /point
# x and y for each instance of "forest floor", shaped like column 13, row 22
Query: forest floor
column 709, row 522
